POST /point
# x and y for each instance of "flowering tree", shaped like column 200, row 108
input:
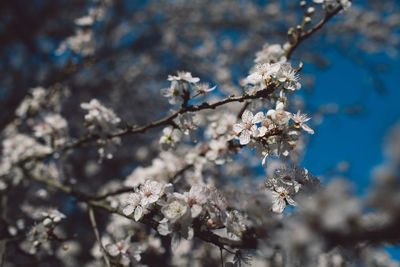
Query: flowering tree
column 169, row 176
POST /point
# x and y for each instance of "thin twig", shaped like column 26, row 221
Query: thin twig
column 114, row 193
column 174, row 179
column 305, row 35
column 222, row 259
column 96, row 233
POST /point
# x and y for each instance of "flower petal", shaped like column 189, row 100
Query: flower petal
column 128, row 210
column 138, row 213
column 244, row 137
column 247, row 116
column 258, row 117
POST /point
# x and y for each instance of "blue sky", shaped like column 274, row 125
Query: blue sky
column 355, row 138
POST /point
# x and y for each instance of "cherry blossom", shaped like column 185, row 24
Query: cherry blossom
column 248, row 127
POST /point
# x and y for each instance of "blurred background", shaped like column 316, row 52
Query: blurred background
column 121, row 53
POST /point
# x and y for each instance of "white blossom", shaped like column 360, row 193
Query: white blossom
column 176, row 208
column 124, row 252
column 150, row 192
column 203, row 88
column 99, row 118
column 195, row 198
column 280, row 196
column 134, row 206
column 183, row 76
column 248, row 127
column 263, row 72
column 83, row 42
column 173, row 93
column 219, row 151
column 270, row 54
column 301, row 119
column 279, row 115
column 288, row 77
column 170, row 137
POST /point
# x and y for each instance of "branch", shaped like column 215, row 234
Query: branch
column 305, row 35
column 131, row 130
column 96, row 233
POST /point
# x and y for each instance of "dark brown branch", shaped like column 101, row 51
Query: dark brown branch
column 300, row 38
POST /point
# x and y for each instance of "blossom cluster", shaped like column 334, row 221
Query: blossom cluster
column 271, row 133
column 102, row 121
column 182, row 86
column 285, row 184
column 179, row 210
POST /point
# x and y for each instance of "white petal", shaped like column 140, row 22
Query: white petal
column 144, row 202
column 128, row 210
column 244, row 137
column 238, row 127
column 163, row 229
column 291, row 201
column 264, row 161
column 254, row 78
column 196, row 210
column 138, row 213
column 254, row 130
column 155, row 187
column 258, row 117
column 125, row 261
column 307, row 129
column 280, row 105
column 261, row 131
column 270, row 113
column 275, row 67
column 112, row 249
column 153, row 198
column 279, row 205
column 247, row 116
